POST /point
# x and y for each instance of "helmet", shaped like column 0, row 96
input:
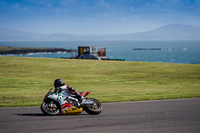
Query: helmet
column 58, row 83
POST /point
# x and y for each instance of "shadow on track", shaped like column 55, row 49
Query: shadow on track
column 31, row 114
column 40, row 114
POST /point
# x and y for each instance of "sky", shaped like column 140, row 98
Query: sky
column 96, row 17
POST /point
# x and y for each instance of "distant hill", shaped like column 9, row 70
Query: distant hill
column 168, row 32
column 15, row 35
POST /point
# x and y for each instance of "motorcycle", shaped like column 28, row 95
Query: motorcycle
column 56, row 103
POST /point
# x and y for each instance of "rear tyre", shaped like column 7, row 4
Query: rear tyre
column 94, row 109
column 50, row 107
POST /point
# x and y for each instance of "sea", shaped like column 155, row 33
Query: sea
column 186, row 52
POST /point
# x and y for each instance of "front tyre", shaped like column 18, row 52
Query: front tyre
column 50, row 107
column 94, row 109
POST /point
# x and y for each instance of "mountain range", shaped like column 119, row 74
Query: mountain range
column 168, row 32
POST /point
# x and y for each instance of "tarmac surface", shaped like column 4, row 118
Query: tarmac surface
column 159, row 116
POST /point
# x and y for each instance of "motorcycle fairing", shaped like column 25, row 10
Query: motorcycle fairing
column 56, row 97
column 73, row 111
column 69, row 109
column 45, row 97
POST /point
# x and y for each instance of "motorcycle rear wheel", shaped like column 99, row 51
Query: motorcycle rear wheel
column 50, row 107
column 94, row 109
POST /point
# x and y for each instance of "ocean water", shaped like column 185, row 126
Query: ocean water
column 187, row 52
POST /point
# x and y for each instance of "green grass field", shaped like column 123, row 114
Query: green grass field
column 25, row 81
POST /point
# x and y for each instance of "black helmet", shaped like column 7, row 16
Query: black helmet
column 58, row 83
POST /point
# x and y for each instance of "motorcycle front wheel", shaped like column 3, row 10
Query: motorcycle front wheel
column 94, row 109
column 50, row 107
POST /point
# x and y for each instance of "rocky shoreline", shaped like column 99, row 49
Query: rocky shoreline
column 6, row 50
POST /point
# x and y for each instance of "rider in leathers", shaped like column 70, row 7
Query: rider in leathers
column 66, row 90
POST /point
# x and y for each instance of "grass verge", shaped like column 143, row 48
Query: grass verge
column 25, row 81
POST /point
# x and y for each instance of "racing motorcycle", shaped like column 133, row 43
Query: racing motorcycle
column 56, row 103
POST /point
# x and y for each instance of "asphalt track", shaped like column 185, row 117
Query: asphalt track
column 159, row 116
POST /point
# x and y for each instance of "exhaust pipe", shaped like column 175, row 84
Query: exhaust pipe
column 86, row 102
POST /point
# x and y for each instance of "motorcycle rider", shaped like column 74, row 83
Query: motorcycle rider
column 66, row 90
